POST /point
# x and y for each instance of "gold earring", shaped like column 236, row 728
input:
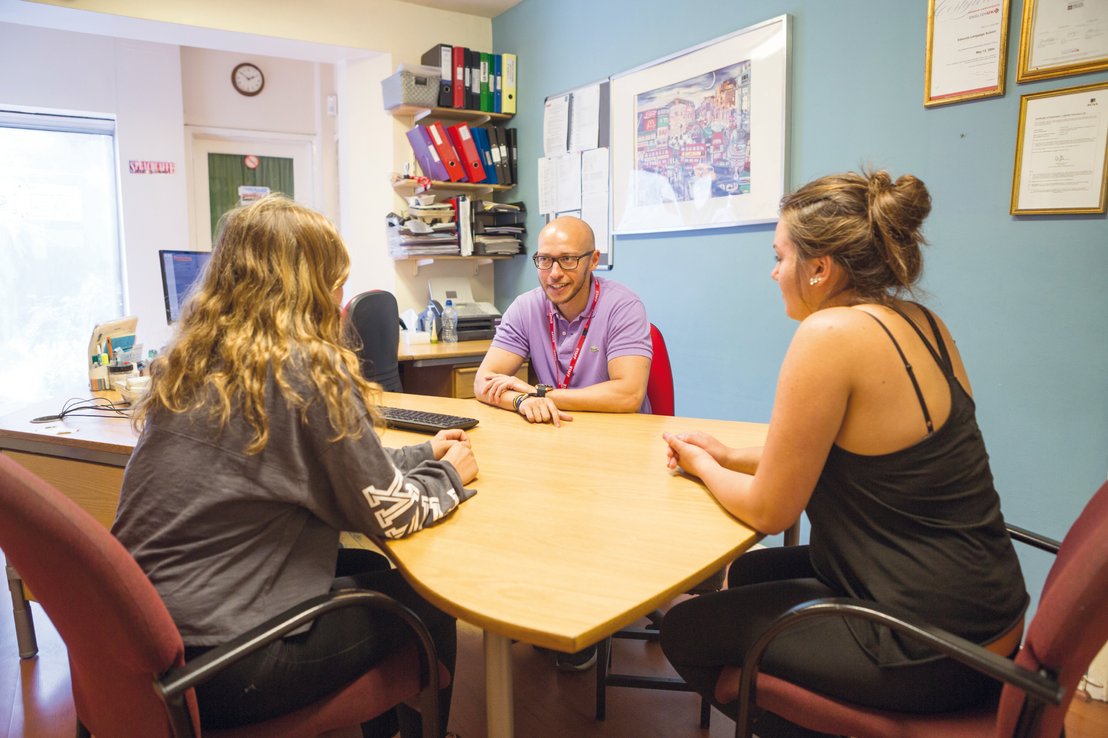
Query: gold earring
column 814, row 281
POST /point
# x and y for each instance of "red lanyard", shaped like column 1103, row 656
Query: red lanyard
column 580, row 342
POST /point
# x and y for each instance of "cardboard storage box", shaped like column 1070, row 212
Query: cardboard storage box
column 412, row 84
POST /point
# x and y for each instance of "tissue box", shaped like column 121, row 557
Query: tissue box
column 411, row 85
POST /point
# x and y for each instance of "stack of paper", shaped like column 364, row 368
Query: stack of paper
column 500, row 227
column 495, row 245
column 415, row 238
column 431, row 214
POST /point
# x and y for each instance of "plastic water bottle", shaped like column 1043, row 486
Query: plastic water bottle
column 450, row 323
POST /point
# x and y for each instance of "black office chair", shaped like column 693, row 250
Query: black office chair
column 375, row 319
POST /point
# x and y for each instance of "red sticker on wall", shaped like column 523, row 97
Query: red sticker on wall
column 250, row 161
column 135, row 166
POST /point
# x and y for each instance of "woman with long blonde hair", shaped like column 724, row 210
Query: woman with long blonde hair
column 257, row 448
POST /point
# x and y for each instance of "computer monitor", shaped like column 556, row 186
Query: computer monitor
column 180, row 270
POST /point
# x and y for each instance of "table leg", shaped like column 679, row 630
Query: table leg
column 21, row 611
column 498, row 686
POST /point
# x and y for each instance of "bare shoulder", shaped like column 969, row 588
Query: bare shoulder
column 834, row 324
column 829, row 342
column 841, row 340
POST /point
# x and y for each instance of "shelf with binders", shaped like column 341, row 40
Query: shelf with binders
column 457, row 152
column 406, row 187
column 419, row 113
column 477, row 231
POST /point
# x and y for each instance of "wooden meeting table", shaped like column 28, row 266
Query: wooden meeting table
column 574, row 533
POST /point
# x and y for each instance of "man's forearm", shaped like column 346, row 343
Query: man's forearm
column 499, row 390
column 506, row 401
column 613, row 396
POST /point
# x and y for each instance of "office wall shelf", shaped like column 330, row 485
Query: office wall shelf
column 421, row 115
column 418, row 113
column 416, row 262
column 409, row 187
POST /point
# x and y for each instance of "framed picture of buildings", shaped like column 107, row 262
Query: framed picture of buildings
column 698, row 139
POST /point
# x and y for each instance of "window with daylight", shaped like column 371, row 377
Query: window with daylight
column 61, row 250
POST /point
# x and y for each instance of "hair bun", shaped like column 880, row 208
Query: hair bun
column 914, row 201
column 896, row 213
column 867, row 222
column 877, row 184
column 897, row 209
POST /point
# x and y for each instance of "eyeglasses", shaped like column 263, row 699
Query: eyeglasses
column 567, row 263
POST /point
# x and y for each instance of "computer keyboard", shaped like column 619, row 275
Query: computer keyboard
column 422, row 421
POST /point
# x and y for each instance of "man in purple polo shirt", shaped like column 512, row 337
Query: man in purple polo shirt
column 587, row 338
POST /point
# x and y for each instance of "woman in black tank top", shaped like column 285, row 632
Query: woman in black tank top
column 874, row 435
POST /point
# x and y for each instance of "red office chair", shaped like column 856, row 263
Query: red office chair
column 126, row 656
column 659, row 385
column 1068, row 630
column 659, row 388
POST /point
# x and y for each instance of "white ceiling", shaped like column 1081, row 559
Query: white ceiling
column 483, row 8
column 81, row 21
column 118, row 26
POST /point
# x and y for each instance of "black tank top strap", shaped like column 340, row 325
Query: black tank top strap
column 947, row 364
column 911, row 372
column 942, row 356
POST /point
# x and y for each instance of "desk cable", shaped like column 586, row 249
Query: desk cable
column 93, row 407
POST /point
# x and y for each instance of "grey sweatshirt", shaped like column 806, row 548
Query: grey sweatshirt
column 230, row 539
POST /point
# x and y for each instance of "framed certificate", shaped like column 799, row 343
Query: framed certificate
column 1062, row 152
column 967, row 42
column 1061, row 37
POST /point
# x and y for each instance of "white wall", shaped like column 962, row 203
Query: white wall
column 358, row 148
column 371, row 145
column 287, row 103
column 365, row 157
column 155, row 214
column 139, row 85
column 292, row 105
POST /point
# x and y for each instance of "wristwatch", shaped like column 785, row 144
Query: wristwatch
column 541, row 390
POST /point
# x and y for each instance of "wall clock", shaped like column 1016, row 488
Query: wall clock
column 247, row 79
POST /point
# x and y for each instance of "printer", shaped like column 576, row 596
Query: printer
column 476, row 320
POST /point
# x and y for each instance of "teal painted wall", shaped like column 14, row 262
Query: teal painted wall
column 1026, row 298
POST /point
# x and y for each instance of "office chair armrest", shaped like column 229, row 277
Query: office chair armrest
column 1033, row 539
column 173, row 684
column 1036, row 685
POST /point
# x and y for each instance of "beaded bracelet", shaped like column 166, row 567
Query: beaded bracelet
column 519, row 400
